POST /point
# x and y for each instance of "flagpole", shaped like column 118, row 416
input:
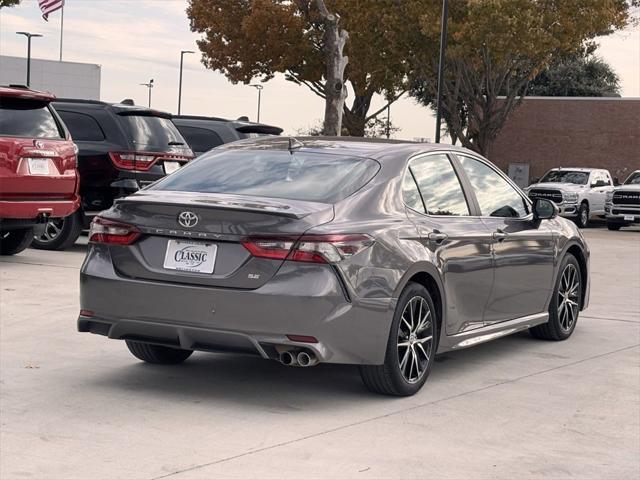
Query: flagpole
column 61, row 30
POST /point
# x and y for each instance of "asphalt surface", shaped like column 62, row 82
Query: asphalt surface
column 80, row 406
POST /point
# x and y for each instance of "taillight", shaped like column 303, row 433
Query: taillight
column 132, row 160
column 309, row 248
column 271, row 247
column 143, row 161
column 114, row 233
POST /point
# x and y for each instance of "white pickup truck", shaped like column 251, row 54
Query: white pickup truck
column 622, row 205
column 580, row 193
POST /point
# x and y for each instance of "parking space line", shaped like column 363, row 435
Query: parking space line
column 611, row 319
column 397, row 412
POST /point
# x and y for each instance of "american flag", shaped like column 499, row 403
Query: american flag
column 48, row 6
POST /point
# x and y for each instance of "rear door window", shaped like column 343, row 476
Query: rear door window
column 153, row 134
column 273, row 173
column 82, row 127
column 27, row 118
column 439, row 186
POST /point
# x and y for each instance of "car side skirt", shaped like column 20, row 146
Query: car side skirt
column 490, row 332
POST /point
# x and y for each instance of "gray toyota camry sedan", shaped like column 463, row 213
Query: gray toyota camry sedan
column 308, row 250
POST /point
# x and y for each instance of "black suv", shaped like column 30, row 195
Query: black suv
column 122, row 148
column 205, row 133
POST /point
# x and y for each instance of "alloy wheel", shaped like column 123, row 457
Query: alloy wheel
column 415, row 339
column 51, row 230
column 568, row 297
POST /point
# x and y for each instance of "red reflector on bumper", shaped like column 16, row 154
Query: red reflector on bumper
column 302, row 338
column 86, row 313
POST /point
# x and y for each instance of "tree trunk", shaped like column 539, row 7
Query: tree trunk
column 355, row 118
column 335, row 89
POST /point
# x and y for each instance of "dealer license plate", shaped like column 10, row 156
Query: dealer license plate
column 170, row 167
column 189, row 256
column 39, row 166
column 629, row 218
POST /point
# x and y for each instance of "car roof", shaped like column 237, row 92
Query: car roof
column 379, row 149
column 21, row 91
column 240, row 125
column 119, row 108
column 578, row 169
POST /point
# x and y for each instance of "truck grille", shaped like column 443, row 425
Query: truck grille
column 625, row 211
column 553, row 195
column 626, row 198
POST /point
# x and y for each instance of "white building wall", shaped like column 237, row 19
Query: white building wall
column 63, row 79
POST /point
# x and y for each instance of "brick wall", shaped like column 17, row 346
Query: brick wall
column 548, row 132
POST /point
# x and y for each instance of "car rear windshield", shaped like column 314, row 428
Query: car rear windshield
column 27, row 118
column 271, row 173
column 566, row 176
column 153, row 133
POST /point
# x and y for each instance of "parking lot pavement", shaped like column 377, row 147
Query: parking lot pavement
column 80, row 406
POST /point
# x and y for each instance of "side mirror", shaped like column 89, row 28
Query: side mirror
column 616, row 181
column 534, row 180
column 544, row 209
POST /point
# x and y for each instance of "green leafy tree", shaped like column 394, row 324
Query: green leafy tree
column 256, row 39
column 576, row 76
column 9, row 3
column 495, row 48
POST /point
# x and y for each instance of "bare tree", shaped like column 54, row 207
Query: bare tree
column 471, row 106
column 335, row 89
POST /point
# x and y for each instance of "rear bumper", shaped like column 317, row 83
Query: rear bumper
column 299, row 300
column 31, row 209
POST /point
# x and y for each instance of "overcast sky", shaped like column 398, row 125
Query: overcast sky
column 135, row 40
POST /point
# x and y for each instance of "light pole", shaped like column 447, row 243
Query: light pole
column 149, row 86
column 259, row 88
column 443, row 46
column 182, row 52
column 29, row 36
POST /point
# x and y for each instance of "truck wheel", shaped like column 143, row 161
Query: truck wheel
column 59, row 233
column 15, row 241
column 582, row 220
column 157, row 354
column 614, row 226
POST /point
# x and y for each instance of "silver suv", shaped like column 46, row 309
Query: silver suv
column 623, row 203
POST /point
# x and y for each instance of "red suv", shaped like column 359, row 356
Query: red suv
column 38, row 166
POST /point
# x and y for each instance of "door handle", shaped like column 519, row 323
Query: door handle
column 499, row 235
column 437, row 237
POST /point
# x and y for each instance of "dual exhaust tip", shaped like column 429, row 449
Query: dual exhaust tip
column 301, row 358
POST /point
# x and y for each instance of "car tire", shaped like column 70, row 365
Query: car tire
column 582, row 220
column 59, row 233
column 15, row 241
column 563, row 315
column 157, row 354
column 411, row 346
column 614, row 226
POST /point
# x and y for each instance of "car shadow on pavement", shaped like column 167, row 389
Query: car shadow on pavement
column 252, row 381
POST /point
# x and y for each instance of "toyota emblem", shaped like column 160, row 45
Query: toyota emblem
column 187, row 219
column 38, row 144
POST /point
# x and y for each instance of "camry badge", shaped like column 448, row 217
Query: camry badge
column 187, row 219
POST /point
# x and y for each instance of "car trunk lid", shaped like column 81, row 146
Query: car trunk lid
column 218, row 220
